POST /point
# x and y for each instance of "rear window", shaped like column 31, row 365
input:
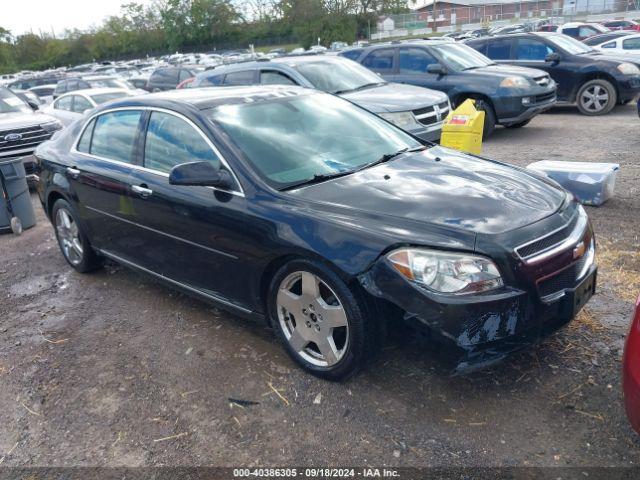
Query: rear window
column 499, row 49
column 379, row 60
column 239, row 78
column 351, row 54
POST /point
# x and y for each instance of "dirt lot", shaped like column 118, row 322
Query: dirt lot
column 113, row 369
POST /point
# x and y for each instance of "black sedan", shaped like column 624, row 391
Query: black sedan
column 299, row 208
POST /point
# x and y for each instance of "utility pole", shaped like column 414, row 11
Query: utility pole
column 435, row 18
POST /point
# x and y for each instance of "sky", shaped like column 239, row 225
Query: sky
column 22, row 16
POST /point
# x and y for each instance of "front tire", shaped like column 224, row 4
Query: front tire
column 320, row 321
column 72, row 240
column 596, row 97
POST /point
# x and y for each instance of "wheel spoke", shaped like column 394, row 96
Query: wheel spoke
column 333, row 316
column 328, row 349
column 289, row 301
column 297, row 341
column 310, row 285
column 75, row 243
column 66, row 221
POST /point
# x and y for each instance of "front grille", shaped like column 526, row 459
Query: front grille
column 545, row 97
column 567, row 278
column 547, row 242
column 31, row 138
column 429, row 116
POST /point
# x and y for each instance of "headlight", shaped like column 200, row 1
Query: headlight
column 401, row 119
column 446, row 272
column 514, row 82
column 51, row 126
column 628, row 69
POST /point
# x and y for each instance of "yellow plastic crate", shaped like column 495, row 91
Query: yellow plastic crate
column 462, row 129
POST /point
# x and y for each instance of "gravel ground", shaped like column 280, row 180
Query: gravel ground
column 113, row 369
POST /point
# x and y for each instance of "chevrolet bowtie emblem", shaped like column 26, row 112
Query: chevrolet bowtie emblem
column 579, row 250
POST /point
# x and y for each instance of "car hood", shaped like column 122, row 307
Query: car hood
column 23, row 119
column 507, row 71
column 395, row 97
column 616, row 57
column 446, row 188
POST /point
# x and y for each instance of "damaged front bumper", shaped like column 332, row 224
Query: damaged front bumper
column 481, row 328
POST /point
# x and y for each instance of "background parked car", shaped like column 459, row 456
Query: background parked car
column 509, row 96
column 25, row 127
column 622, row 25
column 581, row 30
column 624, row 42
column 93, row 81
column 168, row 78
column 631, row 369
column 416, row 110
column 45, row 92
column 26, row 83
column 593, row 81
column 71, row 106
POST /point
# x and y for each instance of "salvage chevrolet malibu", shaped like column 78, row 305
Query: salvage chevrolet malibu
column 299, row 208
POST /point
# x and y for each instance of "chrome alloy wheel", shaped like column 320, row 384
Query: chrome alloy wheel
column 595, row 98
column 69, row 237
column 312, row 318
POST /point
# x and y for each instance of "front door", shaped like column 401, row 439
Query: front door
column 189, row 234
column 412, row 69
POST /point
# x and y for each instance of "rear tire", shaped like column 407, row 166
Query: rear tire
column 321, row 321
column 72, row 240
column 596, row 97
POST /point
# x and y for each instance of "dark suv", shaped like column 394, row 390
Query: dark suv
column 593, row 80
column 168, row 78
column 510, row 96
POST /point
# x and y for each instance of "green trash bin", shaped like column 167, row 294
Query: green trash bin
column 16, row 209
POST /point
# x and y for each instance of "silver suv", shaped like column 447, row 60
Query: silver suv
column 22, row 129
column 419, row 111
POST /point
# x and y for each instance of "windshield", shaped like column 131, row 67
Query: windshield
column 461, row 57
column 570, row 45
column 336, row 76
column 10, row 103
column 107, row 97
column 291, row 140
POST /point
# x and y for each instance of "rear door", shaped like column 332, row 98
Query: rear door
column 191, row 235
column 103, row 159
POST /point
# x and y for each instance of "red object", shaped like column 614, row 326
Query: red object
column 185, row 83
column 631, row 371
column 548, row 28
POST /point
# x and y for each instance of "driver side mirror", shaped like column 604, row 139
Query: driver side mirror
column 201, row 174
column 552, row 58
column 437, row 69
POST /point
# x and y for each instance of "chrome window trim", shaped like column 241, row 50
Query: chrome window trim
column 197, row 291
column 223, row 160
column 574, row 237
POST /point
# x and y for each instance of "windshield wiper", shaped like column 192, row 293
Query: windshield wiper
column 390, row 156
column 361, row 87
column 318, row 178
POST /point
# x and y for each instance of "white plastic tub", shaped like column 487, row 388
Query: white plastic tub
column 591, row 183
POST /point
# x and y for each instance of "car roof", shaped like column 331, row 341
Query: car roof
column 209, row 97
column 96, row 91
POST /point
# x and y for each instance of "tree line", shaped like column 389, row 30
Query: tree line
column 167, row 26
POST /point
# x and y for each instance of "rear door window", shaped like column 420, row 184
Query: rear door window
column 380, row 60
column 80, row 104
column 415, row 60
column 351, row 54
column 271, row 77
column 64, row 103
column 631, row 44
column 499, row 49
column 245, row 77
column 114, row 135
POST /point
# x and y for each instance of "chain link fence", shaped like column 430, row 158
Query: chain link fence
column 437, row 18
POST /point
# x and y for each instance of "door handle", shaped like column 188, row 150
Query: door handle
column 144, row 192
column 73, row 172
